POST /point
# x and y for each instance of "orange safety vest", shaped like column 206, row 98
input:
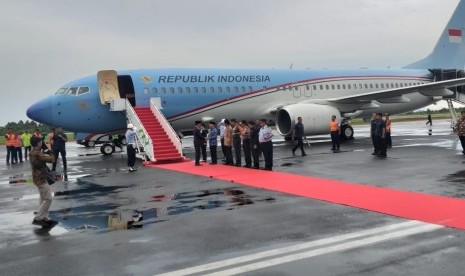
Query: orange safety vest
column 36, row 134
column 388, row 125
column 333, row 126
column 10, row 140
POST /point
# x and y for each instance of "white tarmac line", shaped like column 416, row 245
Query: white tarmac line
column 326, row 250
column 302, row 246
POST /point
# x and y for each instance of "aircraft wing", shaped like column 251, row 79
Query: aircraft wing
column 396, row 95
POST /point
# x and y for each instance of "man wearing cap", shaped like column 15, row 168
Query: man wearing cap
column 199, row 140
column 264, row 137
column 131, row 147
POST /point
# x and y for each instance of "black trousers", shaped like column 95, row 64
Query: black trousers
column 300, row 144
column 204, row 152
column 9, row 154
column 373, row 140
column 14, row 153
column 26, row 150
column 61, row 151
column 256, row 156
column 380, row 145
column 237, row 150
column 19, row 153
column 388, row 139
column 131, row 152
column 213, row 154
column 335, row 140
column 222, row 148
column 462, row 141
column 247, row 153
column 228, row 155
column 198, row 149
column 267, row 149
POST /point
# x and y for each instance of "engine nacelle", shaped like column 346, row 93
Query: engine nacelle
column 315, row 118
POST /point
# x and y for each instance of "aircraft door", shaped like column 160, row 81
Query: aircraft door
column 126, row 89
column 107, row 86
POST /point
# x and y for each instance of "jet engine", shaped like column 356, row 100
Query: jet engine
column 316, row 118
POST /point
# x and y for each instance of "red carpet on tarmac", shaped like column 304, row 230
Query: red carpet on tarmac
column 410, row 205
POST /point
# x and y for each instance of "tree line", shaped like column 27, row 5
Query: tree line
column 21, row 126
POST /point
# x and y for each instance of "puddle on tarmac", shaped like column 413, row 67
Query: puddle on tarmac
column 458, row 177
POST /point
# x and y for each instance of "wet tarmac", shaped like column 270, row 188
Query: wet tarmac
column 112, row 222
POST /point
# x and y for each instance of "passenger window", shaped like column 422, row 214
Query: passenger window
column 243, row 89
column 163, row 90
column 83, row 90
column 344, row 86
column 296, row 88
column 371, row 86
column 236, row 89
column 376, row 86
column 188, row 90
column 171, row 90
column 349, row 86
column 338, row 87
column 366, row 86
column 382, row 85
column 212, row 89
column 196, row 90
column 321, row 87
column 220, row 89
column 155, row 90
column 327, row 87
column 180, row 90
column 204, row 90
column 228, row 89
column 332, row 86
column 250, row 89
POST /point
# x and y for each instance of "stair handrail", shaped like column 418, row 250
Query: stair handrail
column 166, row 126
column 142, row 134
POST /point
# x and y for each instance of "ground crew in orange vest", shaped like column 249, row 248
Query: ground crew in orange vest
column 335, row 130
column 19, row 149
column 10, row 146
column 388, row 131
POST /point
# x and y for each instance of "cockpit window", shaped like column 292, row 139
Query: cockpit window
column 61, row 91
column 83, row 89
column 72, row 91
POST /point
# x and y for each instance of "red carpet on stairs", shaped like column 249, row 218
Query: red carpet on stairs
column 411, row 205
column 164, row 149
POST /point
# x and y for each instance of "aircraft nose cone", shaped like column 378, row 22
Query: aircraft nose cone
column 41, row 112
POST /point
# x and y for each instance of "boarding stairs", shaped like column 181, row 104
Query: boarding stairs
column 155, row 135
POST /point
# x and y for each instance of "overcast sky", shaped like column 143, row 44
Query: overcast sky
column 45, row 44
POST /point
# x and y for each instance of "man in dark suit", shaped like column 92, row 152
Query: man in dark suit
column 199, row 140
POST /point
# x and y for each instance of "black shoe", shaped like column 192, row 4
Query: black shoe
column 238, row 165
column 132, row 170
column 304, row 154
column 374, row 153
column 293, row 153
column 50, row 223
column 39, row 222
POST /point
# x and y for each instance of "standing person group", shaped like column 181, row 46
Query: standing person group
column 243, row 136
column 379, row 133
column 14, row 146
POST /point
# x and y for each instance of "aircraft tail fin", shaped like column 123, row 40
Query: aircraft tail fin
column 449, row 52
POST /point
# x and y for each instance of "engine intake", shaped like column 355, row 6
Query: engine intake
column 315, row 118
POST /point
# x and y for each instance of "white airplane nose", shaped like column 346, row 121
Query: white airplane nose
column 41, row 111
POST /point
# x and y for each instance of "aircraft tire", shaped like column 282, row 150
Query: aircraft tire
column 107, row 149
column 347, row 132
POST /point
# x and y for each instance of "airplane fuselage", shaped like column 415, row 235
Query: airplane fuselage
column 212, row 94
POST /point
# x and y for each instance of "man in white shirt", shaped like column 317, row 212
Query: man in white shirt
column 266, row 145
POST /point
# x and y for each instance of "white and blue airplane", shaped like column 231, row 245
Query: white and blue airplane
column 187, row 95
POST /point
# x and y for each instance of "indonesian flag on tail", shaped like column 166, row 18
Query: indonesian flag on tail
column 455, row 36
